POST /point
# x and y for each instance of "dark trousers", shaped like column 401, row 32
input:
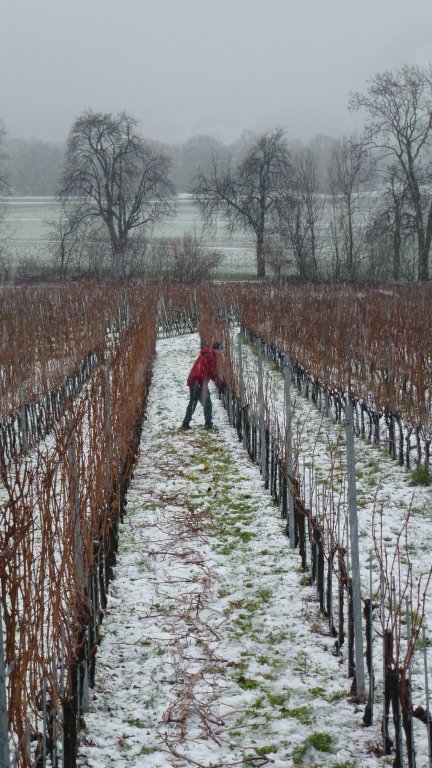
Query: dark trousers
column 199, row 393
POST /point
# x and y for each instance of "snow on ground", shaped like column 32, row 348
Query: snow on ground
column 213, row 650
column 383, row 487
column 385, row 494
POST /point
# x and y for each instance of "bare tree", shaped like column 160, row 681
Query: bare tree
column 350, row 166
column 395, row 196
column 246, row 194
column 399, row 124
column 391, row 232
column 278, row 258
column 183, row 259
column 121, row 181
column 300, row 214
column 66, row 237
column 190, row 157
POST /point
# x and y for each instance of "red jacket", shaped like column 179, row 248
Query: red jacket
column 204, row 369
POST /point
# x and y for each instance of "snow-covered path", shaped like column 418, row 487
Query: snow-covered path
column 213, row 650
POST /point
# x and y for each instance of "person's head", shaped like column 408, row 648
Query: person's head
column 217, row 345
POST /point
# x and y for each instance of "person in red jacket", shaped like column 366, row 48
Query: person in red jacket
column 203, row 370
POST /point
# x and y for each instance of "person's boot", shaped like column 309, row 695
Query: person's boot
column 184, row 426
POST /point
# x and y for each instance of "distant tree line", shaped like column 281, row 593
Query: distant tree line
column 33, row 167
column 358, row 208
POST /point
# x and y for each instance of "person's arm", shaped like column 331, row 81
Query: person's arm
column 213, row 372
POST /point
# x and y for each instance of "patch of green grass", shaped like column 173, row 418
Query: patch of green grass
column 266, row 750
column 421, row 476
column 336, row 696
column 147, row 750
column 241, row 506
column 321, row 742
column 245, row 536
column 277, row 637
column 245, row 628
column 302, row 714
column 259, row 601
column 346, row 764
column 264, row 594
column 236, row 519
column 305, row 581
column 246, row 683
column 318, row 691
column 278, row 699
column 226, row 549
column 373, row 465
column 135, row 723
column 253, row 708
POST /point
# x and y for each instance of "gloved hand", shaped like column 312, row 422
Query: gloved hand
column 222, row 387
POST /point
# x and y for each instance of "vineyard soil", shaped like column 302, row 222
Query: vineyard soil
column 213, row 650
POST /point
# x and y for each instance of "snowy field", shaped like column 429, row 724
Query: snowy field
column 27, row 232
column 213, row 650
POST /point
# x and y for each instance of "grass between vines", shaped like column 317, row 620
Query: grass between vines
column 235, row 517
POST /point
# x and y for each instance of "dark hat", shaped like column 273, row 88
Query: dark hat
column 217, row 345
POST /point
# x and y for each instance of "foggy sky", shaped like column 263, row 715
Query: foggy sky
column 184, row 67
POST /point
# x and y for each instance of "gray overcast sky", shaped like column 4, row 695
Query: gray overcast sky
column 183, row 67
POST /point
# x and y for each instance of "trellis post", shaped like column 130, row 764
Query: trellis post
column 241, row 389
column 263, row 450
column 289, row 449
column 353, row 529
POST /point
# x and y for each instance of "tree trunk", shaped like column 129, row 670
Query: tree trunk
column 350, row 254
column 423, row 238
column 119, row 257
column 423, row 260
column 397, row 244
column 117, row 266
column 260, row 256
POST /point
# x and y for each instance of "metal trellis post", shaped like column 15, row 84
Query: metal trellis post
column 289, row 449
column 263, row 452
column 355, row 560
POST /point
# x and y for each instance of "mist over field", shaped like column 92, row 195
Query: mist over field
column 29, row 237
column 193, row 67
column 202, row 86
